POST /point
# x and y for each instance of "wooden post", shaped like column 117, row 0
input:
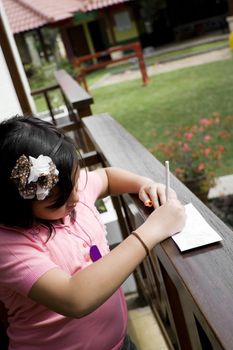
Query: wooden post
column 141, row 62
column 13, row 69
column 41, row 38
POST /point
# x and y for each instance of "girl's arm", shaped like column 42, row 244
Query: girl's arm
column 117, row 181
column 78, row 295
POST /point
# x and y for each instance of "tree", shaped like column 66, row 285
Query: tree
column 230, row 4
column 149, row 10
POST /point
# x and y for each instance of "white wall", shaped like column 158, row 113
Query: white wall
column 9, row 103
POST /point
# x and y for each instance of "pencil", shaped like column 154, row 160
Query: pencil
column 167, row 178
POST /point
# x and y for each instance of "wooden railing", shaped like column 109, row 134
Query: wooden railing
column 45, row 93
column 132, row 50
column 191, row 294
column 78, row 103
column 75, row 95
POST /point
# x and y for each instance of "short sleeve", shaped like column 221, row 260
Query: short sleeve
column 90, row 183
column 22, row 261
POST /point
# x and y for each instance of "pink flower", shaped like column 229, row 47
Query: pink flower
column 207, row 138
column 188, row 136
column 201, row 167
column 185, row 147
column 205, row 122
column 209, row 121
column 207, row 151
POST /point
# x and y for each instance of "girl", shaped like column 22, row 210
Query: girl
column 58, row 280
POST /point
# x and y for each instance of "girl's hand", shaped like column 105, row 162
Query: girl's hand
column 154, row 194
column 163, row 222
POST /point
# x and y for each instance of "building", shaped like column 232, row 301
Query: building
column 49, row 30
column 79, row 27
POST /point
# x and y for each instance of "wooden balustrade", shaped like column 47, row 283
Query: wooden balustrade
column 190, row 293
column 132, row 50
column 45, row 92
column 78, row 103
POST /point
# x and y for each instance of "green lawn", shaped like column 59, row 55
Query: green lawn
column 42, row 79
column 179, row 97
column 156, row 58
column 196, row 49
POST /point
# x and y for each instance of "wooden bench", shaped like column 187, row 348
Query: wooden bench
column 191, row 294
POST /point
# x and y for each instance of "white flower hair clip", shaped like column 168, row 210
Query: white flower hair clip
column 34, row 177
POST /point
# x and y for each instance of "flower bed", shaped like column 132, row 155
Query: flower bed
column 195, row 151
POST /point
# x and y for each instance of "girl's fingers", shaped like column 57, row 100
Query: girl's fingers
column 155, row 195
column 149, row 198
column 144, row 198
column 155, row 200
column 162, row 195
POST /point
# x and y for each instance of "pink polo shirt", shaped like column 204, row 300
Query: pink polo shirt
column 25, row 256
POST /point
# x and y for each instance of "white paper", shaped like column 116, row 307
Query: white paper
column 196, row 232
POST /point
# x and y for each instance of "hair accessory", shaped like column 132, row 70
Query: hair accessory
column 34, row 177
column 143, row 244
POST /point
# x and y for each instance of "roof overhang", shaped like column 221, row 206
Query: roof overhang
column 26, row 15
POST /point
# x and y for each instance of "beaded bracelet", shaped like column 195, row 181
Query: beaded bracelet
column 140, row 240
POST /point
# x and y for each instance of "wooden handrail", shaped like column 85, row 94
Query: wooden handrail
column 79, row 103
column 137, row 53
column 45, row 89
column 190, row 293
column 74, row 93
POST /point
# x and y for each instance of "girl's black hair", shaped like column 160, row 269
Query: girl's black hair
column 32, row 136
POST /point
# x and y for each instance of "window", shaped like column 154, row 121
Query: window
column 122, row 20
